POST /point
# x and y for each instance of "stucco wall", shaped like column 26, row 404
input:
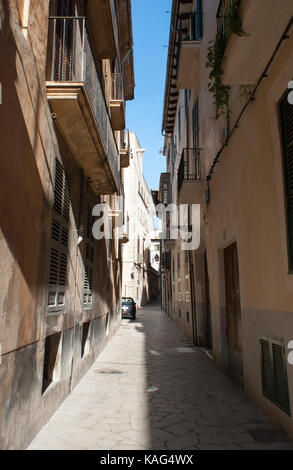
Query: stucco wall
column 30, row 143
column 246, row 206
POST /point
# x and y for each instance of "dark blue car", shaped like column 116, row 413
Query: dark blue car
column 128, row 308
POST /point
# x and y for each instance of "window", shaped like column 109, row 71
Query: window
column 195, row 125
column 274, row 373
column 286, row 118
column 179, row 277
column 85, row 339
column 197, row 23
column 179, row 124
column 165, row 194
column 65, row 8
column 59, row 240
column 187, row 277
column 187, row 94
column 89, row 260
column 52, row 354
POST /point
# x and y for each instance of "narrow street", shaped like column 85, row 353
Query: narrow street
column 152, row 389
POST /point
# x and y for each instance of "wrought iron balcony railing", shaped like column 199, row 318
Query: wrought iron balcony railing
column 190, row 166
column 73, row 61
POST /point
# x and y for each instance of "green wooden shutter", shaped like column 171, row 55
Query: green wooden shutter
column 59, row 240
column 89, row 260
column 274, row 373
column 286, row 117
column 267, row 369
column 280, row 374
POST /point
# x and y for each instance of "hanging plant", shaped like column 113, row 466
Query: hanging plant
column 233, row 23
column 221, row 93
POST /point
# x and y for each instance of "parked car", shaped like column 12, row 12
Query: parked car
column 128, row 308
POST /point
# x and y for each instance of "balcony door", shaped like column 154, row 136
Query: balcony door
column 195, row 164
column 63, row 41
column 65, row 8
column 196, row 22
column 233, row 312
column 209, row 334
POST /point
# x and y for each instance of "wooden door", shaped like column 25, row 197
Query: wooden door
column 209, row 336
column 233, row 311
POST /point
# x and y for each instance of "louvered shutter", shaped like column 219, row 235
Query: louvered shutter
column 274, row 373
column 59, row 240
column 280, row 374
column 267, row 369
column 89, row 259
column 286, row 117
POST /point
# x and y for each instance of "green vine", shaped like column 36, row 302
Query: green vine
column 220, row 92
column 215, row 58
column 233, row 23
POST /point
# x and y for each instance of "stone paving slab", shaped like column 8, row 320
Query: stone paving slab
column 152, row 389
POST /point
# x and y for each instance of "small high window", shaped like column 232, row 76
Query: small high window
column 52, row 360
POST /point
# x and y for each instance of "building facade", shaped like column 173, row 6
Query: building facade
column 66, row 73
column 227, row 122
column 140, row 279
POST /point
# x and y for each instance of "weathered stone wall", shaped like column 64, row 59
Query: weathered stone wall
column 29, row 145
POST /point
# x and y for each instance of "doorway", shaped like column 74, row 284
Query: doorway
column 209, row 335
column 233, row 312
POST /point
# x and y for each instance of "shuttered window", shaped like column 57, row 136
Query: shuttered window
column 59, row 240
column 89, row 260
column 274, row 373
column 286, row 118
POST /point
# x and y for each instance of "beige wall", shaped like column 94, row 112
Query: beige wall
column 247, row 206
column 29, row 145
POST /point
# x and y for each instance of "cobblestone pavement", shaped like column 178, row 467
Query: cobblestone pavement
column 152, row 389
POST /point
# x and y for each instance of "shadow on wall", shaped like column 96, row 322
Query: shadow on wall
column 23, row 221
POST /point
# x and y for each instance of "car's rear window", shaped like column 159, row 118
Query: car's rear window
column 127, row 301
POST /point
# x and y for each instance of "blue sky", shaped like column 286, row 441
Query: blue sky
column 144, row 115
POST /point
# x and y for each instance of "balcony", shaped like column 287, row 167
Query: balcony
column 188, row 50
column 103, row 27
column 117, row 109
column 125, row 149
column 78, row 105
column 189, row 177
column 264, row 23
